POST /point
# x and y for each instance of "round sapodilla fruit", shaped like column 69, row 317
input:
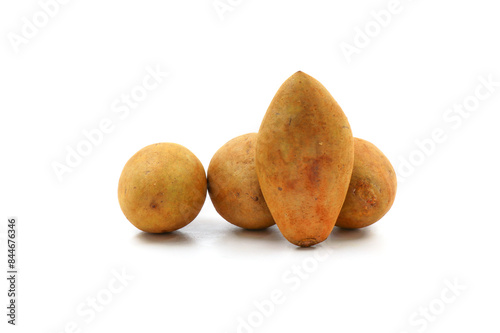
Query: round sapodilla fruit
column 233, row 185
column 372, row 189
column 162, row 188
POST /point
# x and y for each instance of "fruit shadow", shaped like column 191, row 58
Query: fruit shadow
column 238, row 241
column 271, row 234
column 352, row 237
column 169, row 238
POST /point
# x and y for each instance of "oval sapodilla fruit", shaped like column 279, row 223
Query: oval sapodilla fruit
column 162, row 188
column 233, row 185
column 304, row 159
column 372, row 189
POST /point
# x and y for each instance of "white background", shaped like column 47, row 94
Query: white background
column 223, row 74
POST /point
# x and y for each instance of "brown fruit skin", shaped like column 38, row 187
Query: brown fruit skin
column 233, row 185
column 162, row 188
column 304, row 159
column 372, row 189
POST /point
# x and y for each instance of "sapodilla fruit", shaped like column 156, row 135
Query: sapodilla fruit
column 372, row 189
column 304, row 159
column 162, row 188
column 233, row 185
